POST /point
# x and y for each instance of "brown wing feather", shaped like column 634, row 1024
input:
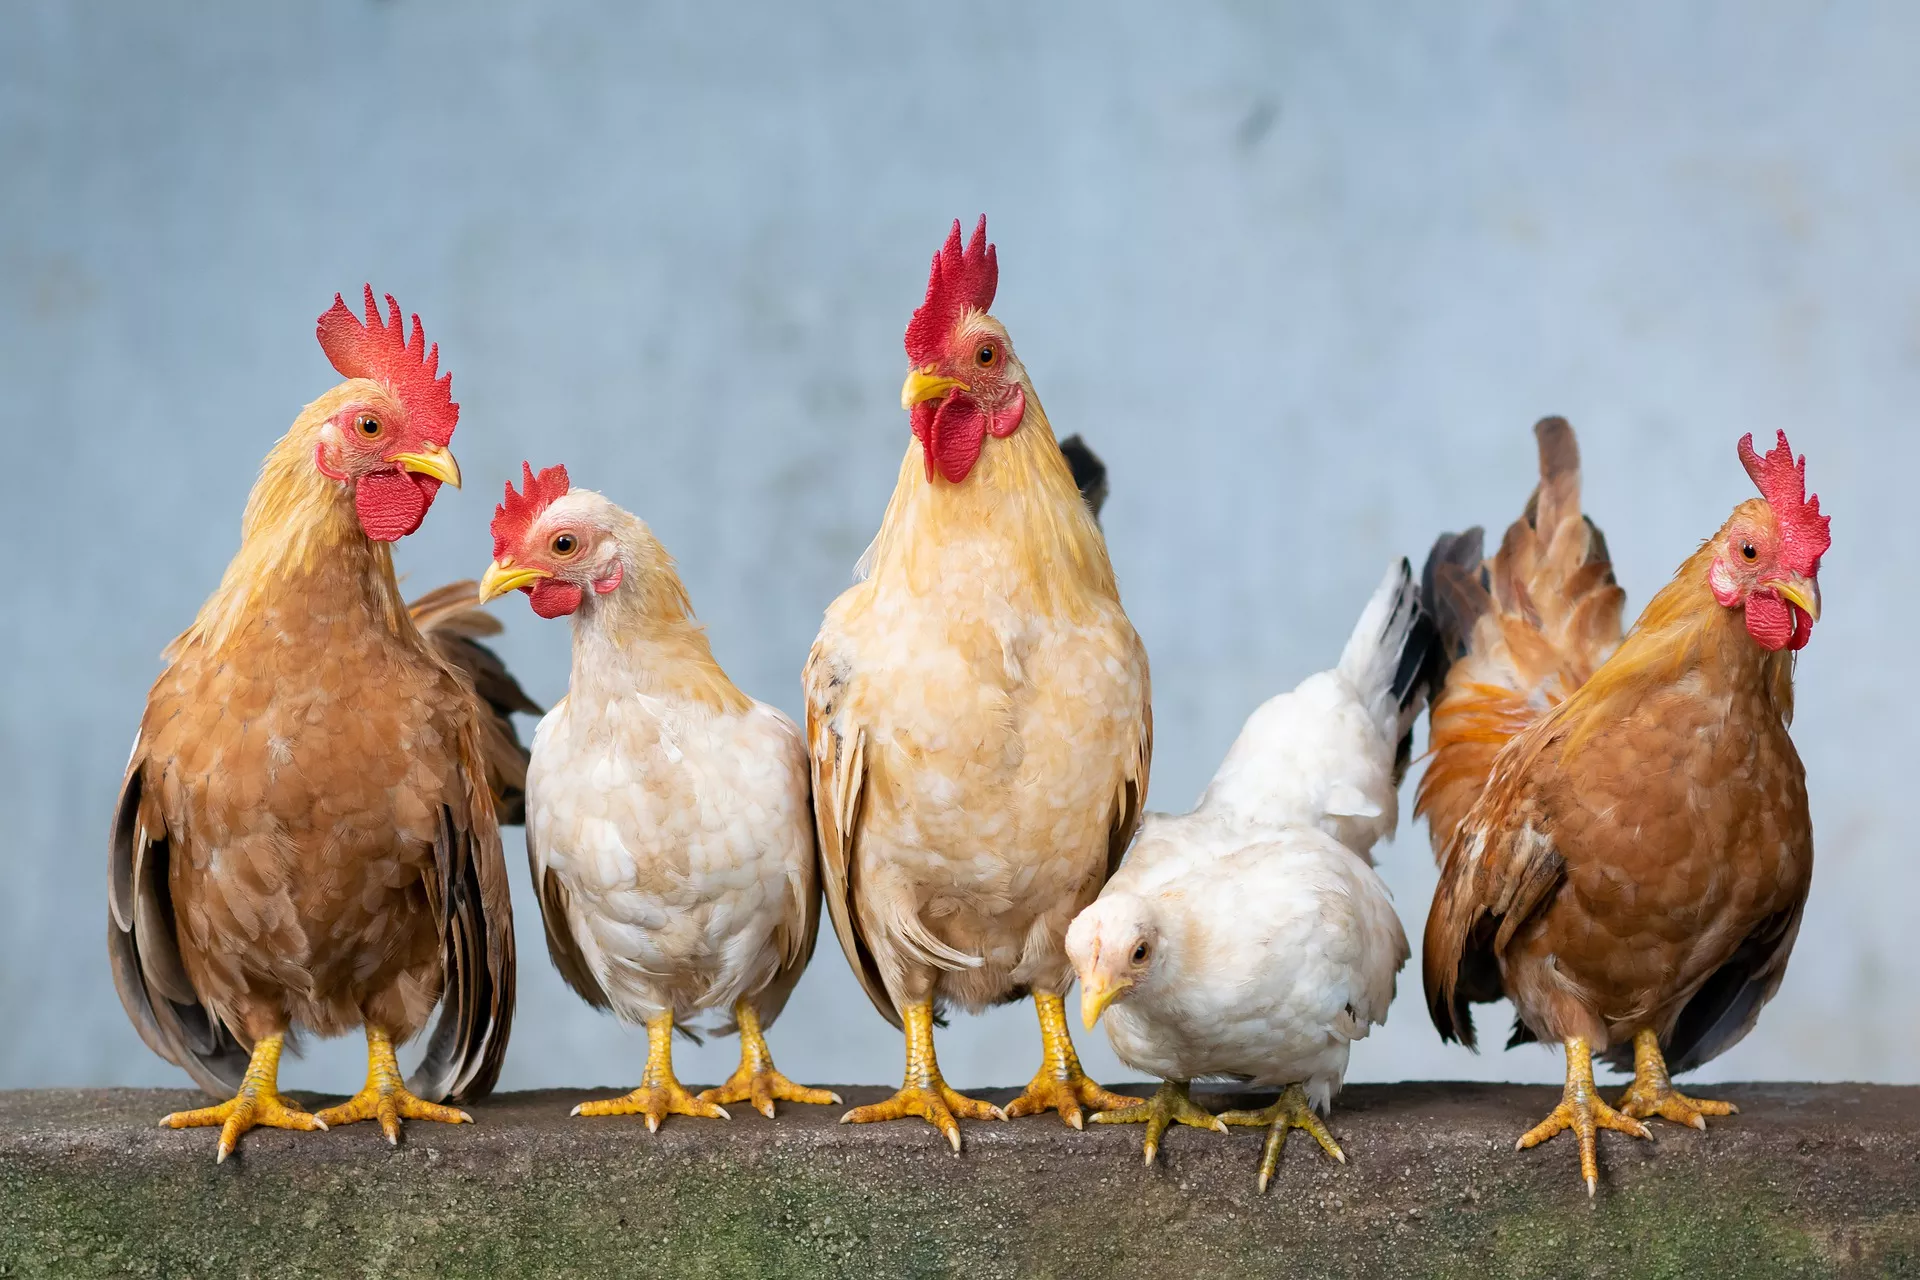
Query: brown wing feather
column 473, row 909
column 451, row 617
column 144, row 954
column 1494, row 875
column 1523, row 629
column 839, row 793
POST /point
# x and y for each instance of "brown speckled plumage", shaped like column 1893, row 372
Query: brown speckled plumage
column 1640, row 851
column 306, row 836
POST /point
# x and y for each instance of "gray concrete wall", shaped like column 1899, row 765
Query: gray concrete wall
column 1305, row 274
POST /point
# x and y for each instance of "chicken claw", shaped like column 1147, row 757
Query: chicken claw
column 1170, row 1103
column 1290, row 1110
column 257, row 1103
column 659, row 1094
column 385, row 1098
column 924, row 1093
column 756, row 1081
column 1652, row 1092
column 1582, row 1111
column 1060, row 1085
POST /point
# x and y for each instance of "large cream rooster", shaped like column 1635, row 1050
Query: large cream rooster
column 977, row 710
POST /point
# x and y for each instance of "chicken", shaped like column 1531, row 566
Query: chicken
column 306, row 836
column 1632, row 869
column 669, row 829
column 1251, row 938
column 977, row 711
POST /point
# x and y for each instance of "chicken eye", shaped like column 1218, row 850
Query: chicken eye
column 368, row 425
column 1746, row 549
column 1140, row 954
column 565, row 544
column 984, row 356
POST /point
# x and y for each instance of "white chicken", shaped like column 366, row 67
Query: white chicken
column 669, row 823
column 1251, row 939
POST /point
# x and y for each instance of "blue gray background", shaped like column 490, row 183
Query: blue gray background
column 1304, row 274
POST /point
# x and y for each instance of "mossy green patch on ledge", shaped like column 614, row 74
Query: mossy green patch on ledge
column 1806, row 1181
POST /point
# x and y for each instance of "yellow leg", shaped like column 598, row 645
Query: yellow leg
column 1652, row 1092
column 659, row 1094
column 1290, row 1110
column 258, row 1103
column 924, row 1093
column 1060, row 1085
column 1170, row 1104
column 384, row 1097
column 756, row 1081
column 1582, row 1111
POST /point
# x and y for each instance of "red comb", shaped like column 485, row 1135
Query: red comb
column 517, row 511
column 386, row 353
column 959, row 280
column 1783, row 483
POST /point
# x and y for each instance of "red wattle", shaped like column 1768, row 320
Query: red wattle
column 552, row 598
column 1770, row 620
column 391, row 504
column 951, row 434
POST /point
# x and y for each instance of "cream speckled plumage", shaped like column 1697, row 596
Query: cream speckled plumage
column 668, row 823
column 1251, row 938
column 978, row 709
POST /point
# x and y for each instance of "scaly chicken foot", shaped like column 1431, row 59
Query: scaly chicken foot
column 1290, row 1110
column 660, row 1095
column 385, row 1098
column 923, row 1092
column 756, row 1081
column 1060, row 1085
column 1170, row 1103
column 257, row 1103
column 1582, row 1111
column 1652, row 1092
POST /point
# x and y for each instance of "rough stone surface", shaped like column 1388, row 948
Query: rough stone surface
column 1806, row 1181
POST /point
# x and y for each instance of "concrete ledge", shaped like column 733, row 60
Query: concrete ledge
column 1806, row 1181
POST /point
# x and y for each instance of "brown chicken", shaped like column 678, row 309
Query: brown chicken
column 307, row 834
column 1632, row 868
column 977, row 713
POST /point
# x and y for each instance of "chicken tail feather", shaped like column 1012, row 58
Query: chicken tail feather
column 452, row 619
column 1518, row 632
column 1392, row 658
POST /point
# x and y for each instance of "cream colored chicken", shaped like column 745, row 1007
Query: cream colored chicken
column 1251, row 939
column 978, row 713
column 668, row 824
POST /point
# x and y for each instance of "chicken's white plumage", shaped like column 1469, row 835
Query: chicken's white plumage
column 1251, row 939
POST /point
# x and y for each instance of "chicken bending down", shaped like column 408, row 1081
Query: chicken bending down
column 668, row 825
column 308, row 832
column 1251, row 939
column 1621, row 824
column 977, row 711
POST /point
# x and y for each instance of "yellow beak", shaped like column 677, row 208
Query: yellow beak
column 504, row 575
column 924, row 384
column 434, row 460
column 1096, row 995
column 1804, row 592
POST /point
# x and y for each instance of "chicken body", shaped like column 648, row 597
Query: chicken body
column 977, row 713
column 1632, row 872
column 307, row 835
column 669, row 826
column 999, row 709
column 1251, row 939
column 1278, row 955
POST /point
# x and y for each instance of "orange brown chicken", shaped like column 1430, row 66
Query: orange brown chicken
column 307, row 835
column 1621, row 822
column 977, row 712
